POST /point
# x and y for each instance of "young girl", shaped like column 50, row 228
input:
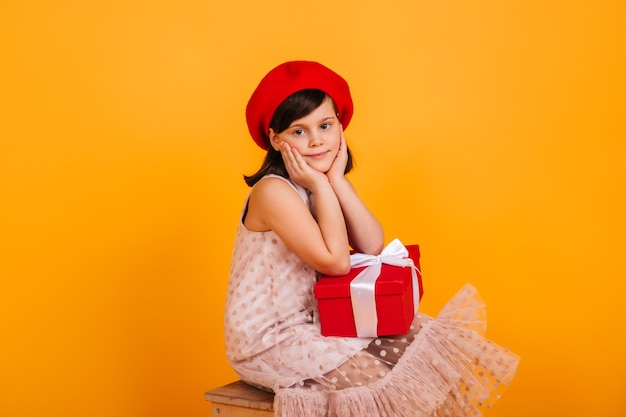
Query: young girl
column 301, row 219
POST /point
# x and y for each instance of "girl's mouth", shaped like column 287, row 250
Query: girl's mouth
column 319, row 155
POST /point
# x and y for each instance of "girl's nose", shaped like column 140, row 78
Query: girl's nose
column 316, row 139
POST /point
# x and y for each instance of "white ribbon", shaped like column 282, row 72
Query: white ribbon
column 363, row 286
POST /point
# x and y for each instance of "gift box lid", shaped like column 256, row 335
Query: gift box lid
column 392, row 279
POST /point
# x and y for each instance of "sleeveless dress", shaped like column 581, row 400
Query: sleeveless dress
column 442, row 367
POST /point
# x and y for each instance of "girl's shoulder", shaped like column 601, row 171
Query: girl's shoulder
column 271, row 198
column 276, row 187
column 273, row 177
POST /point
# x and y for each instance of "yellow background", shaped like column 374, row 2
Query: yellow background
column 489, row 132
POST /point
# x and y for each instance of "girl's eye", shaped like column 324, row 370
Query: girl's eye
column 298, row 132
column 325, row 126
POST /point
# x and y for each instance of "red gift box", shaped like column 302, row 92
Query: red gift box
column 391, row 309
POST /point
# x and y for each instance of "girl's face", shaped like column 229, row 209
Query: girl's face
column 316, row 136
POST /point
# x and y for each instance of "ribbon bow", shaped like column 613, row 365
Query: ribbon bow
column 363, row 286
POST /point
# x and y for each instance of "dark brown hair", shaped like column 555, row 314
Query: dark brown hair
column 295, row 107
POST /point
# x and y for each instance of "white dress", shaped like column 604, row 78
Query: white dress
column 442, row 367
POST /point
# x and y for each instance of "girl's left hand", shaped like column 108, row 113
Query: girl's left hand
column 338, row 168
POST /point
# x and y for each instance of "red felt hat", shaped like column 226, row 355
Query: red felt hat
column 289, row 78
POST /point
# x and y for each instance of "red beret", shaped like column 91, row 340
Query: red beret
column 289, row 78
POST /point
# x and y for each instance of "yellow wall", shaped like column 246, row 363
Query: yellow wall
column 491, row 134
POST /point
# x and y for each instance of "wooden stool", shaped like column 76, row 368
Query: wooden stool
column 239, row 399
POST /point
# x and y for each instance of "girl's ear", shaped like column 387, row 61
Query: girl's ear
column 274, row 143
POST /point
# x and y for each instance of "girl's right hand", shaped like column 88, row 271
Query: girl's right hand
column 299, row 170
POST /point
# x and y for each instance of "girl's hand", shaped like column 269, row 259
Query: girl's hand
column 299, row 170
column 338, row 168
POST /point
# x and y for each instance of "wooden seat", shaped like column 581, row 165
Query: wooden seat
column 239, row 399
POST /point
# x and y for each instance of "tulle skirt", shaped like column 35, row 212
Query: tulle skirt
column 442, row 367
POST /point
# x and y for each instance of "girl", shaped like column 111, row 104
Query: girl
column 300, row 219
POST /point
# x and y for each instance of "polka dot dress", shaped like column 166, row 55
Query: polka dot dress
column 442, row 367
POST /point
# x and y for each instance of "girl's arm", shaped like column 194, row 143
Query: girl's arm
column 365, row 232
column 274, row 205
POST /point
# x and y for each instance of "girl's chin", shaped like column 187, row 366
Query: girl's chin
column 321, row 165
column 321, row 168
